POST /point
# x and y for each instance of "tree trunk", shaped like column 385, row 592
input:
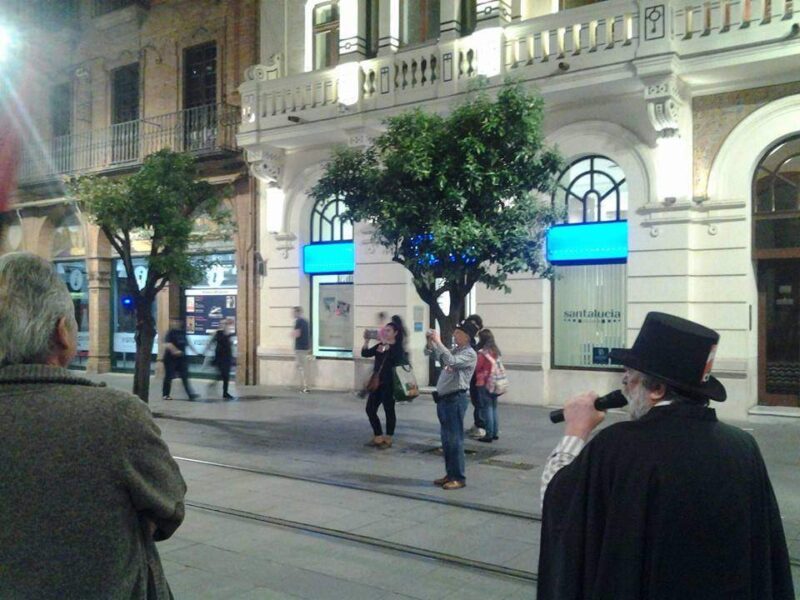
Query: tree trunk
column 145, row 334
column 447, row 325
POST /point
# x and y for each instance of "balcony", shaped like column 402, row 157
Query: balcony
column 612, row 47
column 203, row 131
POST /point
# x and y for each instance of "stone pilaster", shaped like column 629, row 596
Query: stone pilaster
column 98, row 270
column 450, row 19
column 492, row 13
column 388, row 27
column 352, row 30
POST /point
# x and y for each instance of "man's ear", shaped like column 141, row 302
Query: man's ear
column 657, row 395
column 63, row 334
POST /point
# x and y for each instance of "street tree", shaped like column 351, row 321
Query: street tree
column 160, row 203
column 456, row 199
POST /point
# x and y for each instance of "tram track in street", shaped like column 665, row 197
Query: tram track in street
column 404, row 549
column 363, row 487
column 474, row 506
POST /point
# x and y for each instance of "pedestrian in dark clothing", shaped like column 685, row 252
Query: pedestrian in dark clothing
column 673, row 504
column 175, row 362
column 302, row 347
column 89, row 485
column 389, row 352
column 223, row 355
column 478, row 430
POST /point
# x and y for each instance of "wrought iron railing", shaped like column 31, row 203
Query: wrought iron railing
column 202, row 130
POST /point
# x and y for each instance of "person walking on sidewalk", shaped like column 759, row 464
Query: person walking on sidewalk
column 223, row 355
column 90, row 485
column 302, row 345
column 175, row 361
column 389, row 352
column 478, row 429
column 672, row 504
column 458, row 366
column 487, row 401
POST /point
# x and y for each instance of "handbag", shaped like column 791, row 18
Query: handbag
column 374, row 381
column 405, row 383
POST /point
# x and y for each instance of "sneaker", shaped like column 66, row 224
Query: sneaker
column 167, row 398
column 193, row 397
column 304, row 391
column 454, row 485
column 486, row 439
column 495, row 438
column 228, row 397
column 479, row 433
column 472, row 431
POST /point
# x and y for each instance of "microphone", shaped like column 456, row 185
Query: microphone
column 615, row 399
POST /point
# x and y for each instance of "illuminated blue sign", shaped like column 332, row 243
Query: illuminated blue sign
column 334, row 257
column 588, row 243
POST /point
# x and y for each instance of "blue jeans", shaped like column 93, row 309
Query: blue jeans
column 487, row 404
column 451, row 417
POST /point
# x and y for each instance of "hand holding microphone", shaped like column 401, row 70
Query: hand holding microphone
column 615, row 399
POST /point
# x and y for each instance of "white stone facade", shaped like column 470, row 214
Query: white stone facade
column 640, row 83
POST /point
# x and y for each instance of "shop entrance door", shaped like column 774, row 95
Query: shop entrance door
column 779, row 332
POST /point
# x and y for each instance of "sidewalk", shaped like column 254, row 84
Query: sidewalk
column 321, row 434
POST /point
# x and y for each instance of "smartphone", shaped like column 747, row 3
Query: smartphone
column 371, row 334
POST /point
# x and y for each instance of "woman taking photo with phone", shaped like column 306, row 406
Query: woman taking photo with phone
column 389, row 352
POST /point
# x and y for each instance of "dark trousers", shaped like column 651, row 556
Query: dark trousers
column 224, row 374
column 475, row 401
column 176, row 367
column 385, row 396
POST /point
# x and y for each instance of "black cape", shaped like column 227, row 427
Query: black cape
column 675, row 506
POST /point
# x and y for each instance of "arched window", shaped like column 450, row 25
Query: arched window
column 592, row 188
column 332, row 292
column 589, row 256
column 327, row 223
column 776, row 197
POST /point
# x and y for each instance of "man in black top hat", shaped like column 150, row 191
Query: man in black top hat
column 673, row 504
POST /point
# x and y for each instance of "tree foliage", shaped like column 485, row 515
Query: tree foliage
column 161, row 201
column 455, row 198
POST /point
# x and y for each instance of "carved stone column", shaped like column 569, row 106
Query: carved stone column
column 492, row 13
column 388, row 26
column 450, row 19
column 98, row 270
column 352, row 30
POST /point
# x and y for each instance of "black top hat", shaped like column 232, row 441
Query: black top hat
column 678, row 351
column 469, row 327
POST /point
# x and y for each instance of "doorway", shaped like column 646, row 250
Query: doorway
column 776, row 249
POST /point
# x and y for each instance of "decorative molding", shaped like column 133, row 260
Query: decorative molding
column 358, row 138
column 664, row 105
column 267, row 165
column 285, row 243
column 654, row 22
column 694, row 206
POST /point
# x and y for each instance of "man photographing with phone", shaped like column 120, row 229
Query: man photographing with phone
column 452, row 388
column 672, row 504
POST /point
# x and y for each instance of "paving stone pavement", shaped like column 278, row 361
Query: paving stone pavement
column 321, row 436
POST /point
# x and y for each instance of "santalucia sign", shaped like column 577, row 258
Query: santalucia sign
column 592, row 316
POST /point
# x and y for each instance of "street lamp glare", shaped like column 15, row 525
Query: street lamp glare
column 6, row 41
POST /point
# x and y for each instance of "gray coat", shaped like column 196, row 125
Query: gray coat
column 83, row 466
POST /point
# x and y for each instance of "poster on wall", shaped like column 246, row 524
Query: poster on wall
column 205, row 310
column 335, row 318
column 589, row 314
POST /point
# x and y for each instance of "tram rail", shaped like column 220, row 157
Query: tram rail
column 443, row 557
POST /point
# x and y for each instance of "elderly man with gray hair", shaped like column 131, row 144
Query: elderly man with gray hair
column 88, row 483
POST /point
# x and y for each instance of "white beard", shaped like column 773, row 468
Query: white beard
column 638, row 404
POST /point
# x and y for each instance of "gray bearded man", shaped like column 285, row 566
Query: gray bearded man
column 671, row 505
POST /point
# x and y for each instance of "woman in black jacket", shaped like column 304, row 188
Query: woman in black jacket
column 389, row 352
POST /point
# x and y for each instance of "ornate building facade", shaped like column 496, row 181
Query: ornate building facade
column 111, row 81
column 679, row 122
